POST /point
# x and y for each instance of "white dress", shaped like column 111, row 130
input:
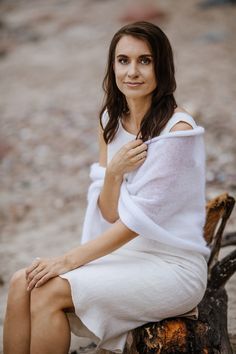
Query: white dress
column 142, row 281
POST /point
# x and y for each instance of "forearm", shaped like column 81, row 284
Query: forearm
column 115, row 237
column 109, row 196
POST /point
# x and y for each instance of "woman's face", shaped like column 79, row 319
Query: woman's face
column 134, row 67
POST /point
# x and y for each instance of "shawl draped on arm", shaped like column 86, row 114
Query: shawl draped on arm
column 164, row 199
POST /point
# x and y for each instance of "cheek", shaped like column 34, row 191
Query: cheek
column 153, row 80
column 119, row 72
column 119, row 76
column 154, row 83
column 148, row 73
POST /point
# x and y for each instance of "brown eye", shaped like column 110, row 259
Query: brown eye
column 123, row 61
column 145, row 60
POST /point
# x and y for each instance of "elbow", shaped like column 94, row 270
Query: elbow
column 111, row 218
column 109, row 214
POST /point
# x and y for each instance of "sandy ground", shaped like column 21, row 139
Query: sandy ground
column 52, row 61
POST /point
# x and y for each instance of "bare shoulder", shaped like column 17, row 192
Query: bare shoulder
column 181, row 125
column 181, row 109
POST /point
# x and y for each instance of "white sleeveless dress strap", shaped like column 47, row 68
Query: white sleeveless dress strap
column 177, row 117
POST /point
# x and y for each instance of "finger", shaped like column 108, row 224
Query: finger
column 36, row 279
column 34, row 272
column 140, row 156
column 139, row 149
column 34, row 265
column 134, row 143
column 33, row 281
column 136, row 150
column 44, row 279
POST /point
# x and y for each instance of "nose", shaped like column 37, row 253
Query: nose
column 133, row 70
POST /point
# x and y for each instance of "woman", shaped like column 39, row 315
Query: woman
column 142, row 257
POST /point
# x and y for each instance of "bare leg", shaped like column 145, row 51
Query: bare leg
column 16, row 333
column 50, row 332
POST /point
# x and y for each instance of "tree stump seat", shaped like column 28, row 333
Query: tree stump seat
column 208, row 334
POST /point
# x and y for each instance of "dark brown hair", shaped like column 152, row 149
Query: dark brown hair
column 163, row 101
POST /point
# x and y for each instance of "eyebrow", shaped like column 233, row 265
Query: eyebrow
column 140, row 56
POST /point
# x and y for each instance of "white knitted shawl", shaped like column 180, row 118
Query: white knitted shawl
column 164, row 199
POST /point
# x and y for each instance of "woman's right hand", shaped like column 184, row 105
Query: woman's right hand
column 128, row 158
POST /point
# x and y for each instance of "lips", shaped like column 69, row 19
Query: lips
column 133, row 84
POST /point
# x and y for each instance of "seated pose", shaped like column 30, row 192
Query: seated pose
column 142, row 257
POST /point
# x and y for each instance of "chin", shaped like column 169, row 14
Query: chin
column 134, row 94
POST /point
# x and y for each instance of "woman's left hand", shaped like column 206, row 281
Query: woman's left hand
column 43, row 269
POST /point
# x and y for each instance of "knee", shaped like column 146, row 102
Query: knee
column 40, row 301
column 17, row 288
column 18, row 282
column 48, row 298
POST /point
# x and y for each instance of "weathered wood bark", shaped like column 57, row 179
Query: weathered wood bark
column 229, row 239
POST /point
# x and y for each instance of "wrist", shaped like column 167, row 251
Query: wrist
column 115, row 176
column 71, row 261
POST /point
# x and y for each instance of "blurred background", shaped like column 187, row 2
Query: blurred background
column 52, row 60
